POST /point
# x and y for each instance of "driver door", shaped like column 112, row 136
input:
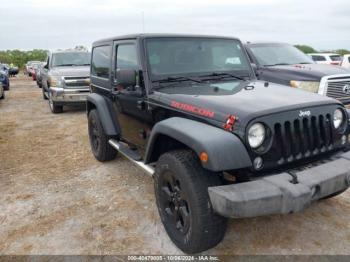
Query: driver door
column 134, row 118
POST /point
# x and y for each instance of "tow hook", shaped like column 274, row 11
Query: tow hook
column 294, row 177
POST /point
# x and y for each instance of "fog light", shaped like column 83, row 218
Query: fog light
column 258, row 163
column 343, row 140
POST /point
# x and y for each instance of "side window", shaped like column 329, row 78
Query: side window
column 318, row 58
column 100, row 61
column 126, row 57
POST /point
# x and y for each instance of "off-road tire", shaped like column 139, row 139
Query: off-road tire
column 205, row 228
column 100, row 147
column 56, row 109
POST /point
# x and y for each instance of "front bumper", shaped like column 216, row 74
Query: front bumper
column 65, row 95
column 277, row 194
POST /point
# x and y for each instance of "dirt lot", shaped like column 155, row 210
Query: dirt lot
column 55, row 198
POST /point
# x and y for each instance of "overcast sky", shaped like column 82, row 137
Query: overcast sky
column 51, row 24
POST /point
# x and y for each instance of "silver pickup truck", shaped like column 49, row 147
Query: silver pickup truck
column 65, row 78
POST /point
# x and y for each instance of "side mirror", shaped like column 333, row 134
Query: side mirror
column 46, row 66
column 126, row 77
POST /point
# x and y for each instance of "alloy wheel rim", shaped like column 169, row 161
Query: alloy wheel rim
column 174, row 202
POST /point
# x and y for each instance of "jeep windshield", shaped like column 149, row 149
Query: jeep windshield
column 278, row 54
column 71, row 59
column 194, row 59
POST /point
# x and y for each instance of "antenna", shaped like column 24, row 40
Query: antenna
column 143, row 21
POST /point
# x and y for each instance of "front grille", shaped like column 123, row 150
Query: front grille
column 297, row 139
column 335, row 88
column 302, row 138
column 76, row 82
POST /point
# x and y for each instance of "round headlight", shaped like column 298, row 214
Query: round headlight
column 338, row 118
column 256, row 135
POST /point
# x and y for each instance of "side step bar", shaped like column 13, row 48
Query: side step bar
column 130, row 155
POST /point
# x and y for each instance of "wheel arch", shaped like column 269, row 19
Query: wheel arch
column 105, row 112
column 225, row 150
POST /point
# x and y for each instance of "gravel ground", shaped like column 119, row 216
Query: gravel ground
column 57, row 199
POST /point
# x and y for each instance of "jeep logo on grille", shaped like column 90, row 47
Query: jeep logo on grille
column 346, row 89
column 304, row 113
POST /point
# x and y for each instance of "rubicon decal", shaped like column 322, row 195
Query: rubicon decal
column 193, row 109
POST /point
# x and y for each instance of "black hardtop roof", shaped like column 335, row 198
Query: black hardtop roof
column 150, row 35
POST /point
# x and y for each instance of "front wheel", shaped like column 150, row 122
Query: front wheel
column 44, row 93
column 56, row 109
column 100, row 147
column 181, row 189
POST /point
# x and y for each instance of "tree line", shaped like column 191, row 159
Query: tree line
column 308, row 49
column 20, row 58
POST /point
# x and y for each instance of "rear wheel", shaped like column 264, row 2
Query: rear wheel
column 100, row 147
column 181, row 189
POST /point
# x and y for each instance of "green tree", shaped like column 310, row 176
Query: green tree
column 20, row 58
column 306, row 49
column 342, row 51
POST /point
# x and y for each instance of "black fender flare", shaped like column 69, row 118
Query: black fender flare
column 225, row 150
column 105, row 112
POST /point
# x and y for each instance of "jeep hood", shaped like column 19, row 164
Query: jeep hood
column 71, row 71
column 309, row 72
column 249, row 100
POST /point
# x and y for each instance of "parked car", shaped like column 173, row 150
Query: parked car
column 2, row 90
column 38, row 74
column 13, row 70
column 285, row 64
column 5, row 68
column 65, row 78
column 4, row 77
column 34, row 69
column 189, row 111
column 29, row 67
column 327, row 58
column 346, row 61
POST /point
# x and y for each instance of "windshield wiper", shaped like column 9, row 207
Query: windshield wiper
column 223, row 75
column 66, row 65
column 303, row 63
column 176, row 79
column 278, row 64
column 74, row 65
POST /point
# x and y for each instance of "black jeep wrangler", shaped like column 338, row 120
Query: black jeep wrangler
column 219, row 143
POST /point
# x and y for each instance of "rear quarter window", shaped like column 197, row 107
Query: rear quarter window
column 101, row 61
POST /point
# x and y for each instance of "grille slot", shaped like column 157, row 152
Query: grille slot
column 335, row 88
column 305, row 137
column 76, row 82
